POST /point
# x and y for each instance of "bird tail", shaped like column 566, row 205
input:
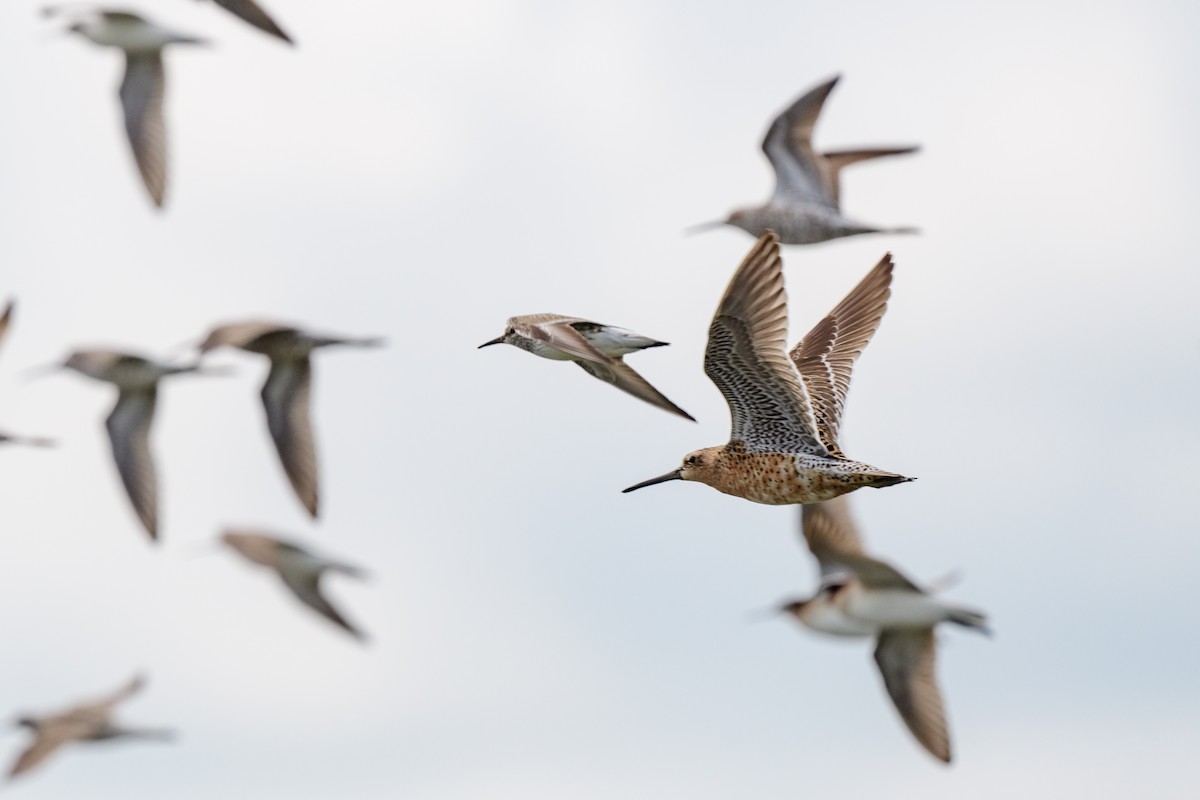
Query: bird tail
column 970, row 619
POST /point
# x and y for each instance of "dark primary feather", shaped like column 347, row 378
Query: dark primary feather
column 251, row 12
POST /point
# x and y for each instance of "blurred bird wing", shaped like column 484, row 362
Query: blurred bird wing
column 142, row 98
column 104, row 706
column 835, row 160
column 825, row 356
column 559, row 333
column 285, row 397
column 907, row 660
column 6, row 319
column 249, row 11
column 627, row 379
column 305, row 583
column 801, row 174
column 240, row 334
column 51, row 734
column 875, row 574
column 746, row 358
column 830, row 531
column 129, row 432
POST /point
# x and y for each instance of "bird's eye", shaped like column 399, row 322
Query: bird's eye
column 509, row 331
column 692, row 461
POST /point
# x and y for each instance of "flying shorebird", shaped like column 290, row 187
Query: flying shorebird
column 128, row 425
column 597, row 348
column 285, row 395
column 250, row 11
column 299, row 570
column 143, row 86
column 806, row 205
column 861, row 596
column 786, row 414
column 86, row 722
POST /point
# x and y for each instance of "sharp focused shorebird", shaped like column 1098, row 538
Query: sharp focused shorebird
column 136, row 379
column 86, row 722
column 598, row 349
column 285, row 394
column 786, row 413
column 143, row 86
column 806, row 205
column 299, row 570
column 861, row 596
column 250, row 11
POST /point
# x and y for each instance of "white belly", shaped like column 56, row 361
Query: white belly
column 827, row 618
column 893, row 608
column 614, row 342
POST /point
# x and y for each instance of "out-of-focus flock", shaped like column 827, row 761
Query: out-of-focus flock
column 785, row 404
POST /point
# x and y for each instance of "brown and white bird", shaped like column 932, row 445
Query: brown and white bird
column 86, row 722
column 786, row 411
column 806, row 205
column 136, row 379
column 144, row 84
column 251, row 12
column 598, row 349
column 861, row 596
column 286, row 393
column 299, row 570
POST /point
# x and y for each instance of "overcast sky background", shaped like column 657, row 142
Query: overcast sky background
column 422, row 172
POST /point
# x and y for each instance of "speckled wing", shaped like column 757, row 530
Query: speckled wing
column 825, row 356
column 142, row 98
column 627, row 379
column 907, row 660
column 801, row 175
column 747, row 360
column 558, row 333
column 830, row 533
column 129, row 432
column 251, row 12
column 285, row 396
column 835, row 160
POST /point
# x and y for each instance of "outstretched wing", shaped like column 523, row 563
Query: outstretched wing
column 907, row 660
column 835, row 160
column 801, row 174
column 560, row 334
column 251, row 12
column 747, row 360
column 142, row 99
column 627, row 379
column 830, row 533
column 285, row 397
column 129, row 432
column 825, row 356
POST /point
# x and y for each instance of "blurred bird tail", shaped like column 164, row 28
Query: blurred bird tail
column 970, row 619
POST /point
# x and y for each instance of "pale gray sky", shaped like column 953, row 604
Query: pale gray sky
column 422, row 172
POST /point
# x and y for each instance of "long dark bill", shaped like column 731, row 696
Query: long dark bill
column 673, row 475
column 497, row 340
